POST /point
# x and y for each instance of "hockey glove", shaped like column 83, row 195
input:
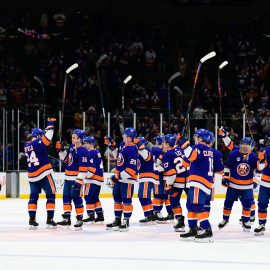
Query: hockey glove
column 111, row 181
column 225, row 180
column 139, row 144
column 109, row 141
column 51, row 121
column 262, row 157
column 170, row 191
column 222, row 133
column 59, row 146
column 183, row 143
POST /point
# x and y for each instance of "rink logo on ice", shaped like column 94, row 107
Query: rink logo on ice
column 120, row 160
column 243, row 169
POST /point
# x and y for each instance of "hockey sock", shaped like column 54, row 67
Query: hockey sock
column 203, row 219
column 98, row 207
column 127, row 207
column 253, row 208
column 147, row 206
column 157, row 203
column 67, row 205
column 78, row 202
column 262, row 214
column 118, row 209
column 50, row 205
column 227, row 209
column 32, row 205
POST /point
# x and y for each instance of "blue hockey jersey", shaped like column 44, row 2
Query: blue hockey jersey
column 95, row 168
column 39, row 165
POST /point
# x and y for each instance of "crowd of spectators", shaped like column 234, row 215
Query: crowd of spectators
column 44, row 44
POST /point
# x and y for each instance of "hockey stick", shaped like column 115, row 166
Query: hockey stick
column 245, row 109
column 43, row 97
column 125, row 81
column 203, row 59
column 221, row 66
column 72, row 67
column 173, row 77
column 98, row 63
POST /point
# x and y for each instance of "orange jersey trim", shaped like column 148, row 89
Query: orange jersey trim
column 200, row 179
column 40, row 170
column 241, row 182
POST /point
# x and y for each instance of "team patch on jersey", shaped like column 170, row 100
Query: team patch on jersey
column 138, row 164
column 243, row 169
column 70, row 159
column 120, row 160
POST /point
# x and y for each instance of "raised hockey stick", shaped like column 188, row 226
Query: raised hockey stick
column 221, row 66
column 98, row 63
column 72, row 67
column 202, row 60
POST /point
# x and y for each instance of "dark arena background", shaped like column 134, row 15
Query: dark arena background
column 164, row 68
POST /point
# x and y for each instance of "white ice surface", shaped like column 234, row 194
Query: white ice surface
column 143, row 247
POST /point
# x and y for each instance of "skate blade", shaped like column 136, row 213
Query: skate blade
column 170, row 221
column 180, row 230
column 246, row 230
column 113, row 229
column 124, row 230
column 89, row 222
column 33, row 228
column 78, row 229
column 147, row 224
column 99, row 222
column 50, row 227
column 189, row 239
column 161, row 222
column 259, row 233
column 204, row 240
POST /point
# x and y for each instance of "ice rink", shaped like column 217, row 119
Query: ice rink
column 143, row 247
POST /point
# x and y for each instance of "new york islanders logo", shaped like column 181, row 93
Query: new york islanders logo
column 70, row 159
column 120, row 160
column 243, row 169
column 138, row 165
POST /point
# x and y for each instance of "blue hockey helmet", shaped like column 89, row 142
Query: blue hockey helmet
column 37, row 132
column 142, row 140
column 207, row 136
column 170, row 139
column 89, row 139
column 160, row 139
column 211, row 137
column 248, row 140
column 79, row 133
column 130, row 132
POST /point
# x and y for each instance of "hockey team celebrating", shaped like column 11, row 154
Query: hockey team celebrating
column 163, row 173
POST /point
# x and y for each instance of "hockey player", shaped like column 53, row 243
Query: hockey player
column 93, row 182
column 125, row 175
column 231, row 146
column 200, row 181
column 264, row 191
column 175, row 175
column 40, row 173
column 218, row 169
column 111, row 152
column 148, row 180
column 76, row 169
column 160, row 196
column 239, row 172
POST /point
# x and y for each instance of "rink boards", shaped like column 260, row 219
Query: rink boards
column 106, row 192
